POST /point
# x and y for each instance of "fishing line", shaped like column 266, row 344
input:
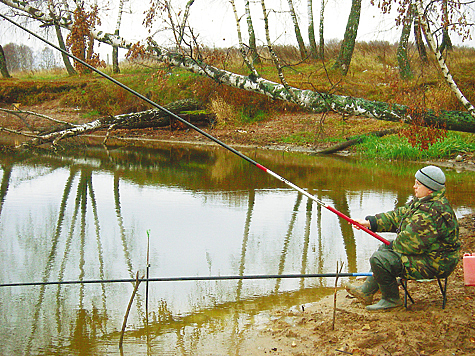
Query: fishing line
column 196, row 278
column 212, row 138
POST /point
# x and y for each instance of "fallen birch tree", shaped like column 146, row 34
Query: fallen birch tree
column 188, row 109
column 311, row 100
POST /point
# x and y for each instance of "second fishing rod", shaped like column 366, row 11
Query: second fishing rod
column 204, row 133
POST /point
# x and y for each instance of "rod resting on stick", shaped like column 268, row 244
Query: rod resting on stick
column 204, row 133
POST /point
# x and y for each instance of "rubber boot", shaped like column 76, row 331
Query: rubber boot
column 364, row 292
column 390, row 298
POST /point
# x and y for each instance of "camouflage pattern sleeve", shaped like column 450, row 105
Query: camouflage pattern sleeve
column 389, row 221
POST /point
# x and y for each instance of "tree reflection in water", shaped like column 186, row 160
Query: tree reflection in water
column 100, row 232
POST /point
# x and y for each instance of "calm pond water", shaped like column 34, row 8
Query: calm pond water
column 190, row 211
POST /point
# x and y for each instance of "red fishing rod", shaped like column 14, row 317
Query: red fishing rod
column 212, row 138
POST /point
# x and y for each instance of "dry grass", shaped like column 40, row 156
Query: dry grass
column 225, row 113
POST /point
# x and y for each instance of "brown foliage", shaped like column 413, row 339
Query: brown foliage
column 136, row 51
column 81, row 42
column 418, row 97
column 419, row 134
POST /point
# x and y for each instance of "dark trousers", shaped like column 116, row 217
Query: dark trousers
column 386, row 265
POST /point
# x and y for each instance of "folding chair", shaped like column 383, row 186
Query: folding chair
column 443, row 290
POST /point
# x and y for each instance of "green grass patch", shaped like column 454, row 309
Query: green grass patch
column 299, row 138
column 398, row 148
column 90, row 114
column 250, row 115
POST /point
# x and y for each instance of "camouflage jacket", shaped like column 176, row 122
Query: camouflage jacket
column 427, row 235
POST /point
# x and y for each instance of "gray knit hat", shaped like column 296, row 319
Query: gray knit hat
column 432, row 177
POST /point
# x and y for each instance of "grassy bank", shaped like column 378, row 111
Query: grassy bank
column 373, row 75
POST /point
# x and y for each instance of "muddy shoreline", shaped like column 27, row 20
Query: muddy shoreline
column 424, row 328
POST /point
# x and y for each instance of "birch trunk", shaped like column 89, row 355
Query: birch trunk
column 274, row 56
column 115, row 49
column 402, row 58
column 298, row 34
column 67, row 63
column 139, row 120
column 322, row 38
column 311, row 30
column 348, row 44
column 242, row 48
column 252, row 35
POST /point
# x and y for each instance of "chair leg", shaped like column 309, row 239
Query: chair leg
column 403, row 283
column 443, row 290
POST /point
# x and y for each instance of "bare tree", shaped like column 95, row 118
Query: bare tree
column 18, row 57
column 47, row 58
column 175, row 21
column 349, row 39
column 298, row 34
column 402, row 56
column 252, row 35
column 311, row 30
column 115, row 49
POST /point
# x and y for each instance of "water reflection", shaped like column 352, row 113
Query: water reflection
column 88, row 215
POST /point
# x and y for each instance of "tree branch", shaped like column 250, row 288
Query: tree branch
column 49, row 118
column 354, row 141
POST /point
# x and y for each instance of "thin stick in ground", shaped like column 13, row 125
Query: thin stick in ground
column 124, row 324
column 338, row 271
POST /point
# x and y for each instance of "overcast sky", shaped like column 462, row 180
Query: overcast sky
column 214, row 21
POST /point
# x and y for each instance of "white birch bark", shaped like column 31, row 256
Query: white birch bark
column 320, row 30
column 441, row 60
column 115, row 49
column 252, row 35
column 311, row 29
column 298, row 34
column 119, row 15
column 242, row 49
column 275, row 58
